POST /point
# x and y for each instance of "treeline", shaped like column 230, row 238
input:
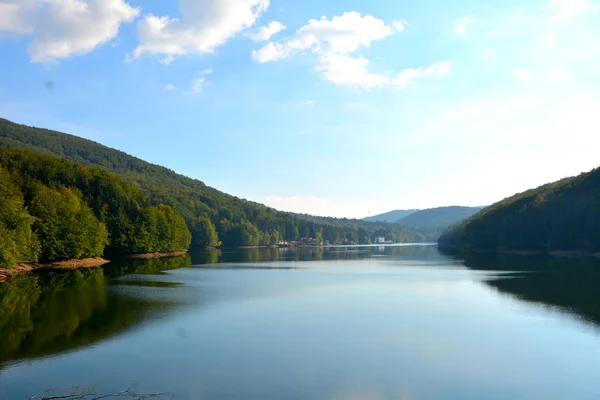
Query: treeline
column 361, row 231
column 561, row 216
column 53, row 210
column 213, row 217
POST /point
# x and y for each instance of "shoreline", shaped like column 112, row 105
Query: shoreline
column 23, row 269
column 527, row 253
column 149, row 256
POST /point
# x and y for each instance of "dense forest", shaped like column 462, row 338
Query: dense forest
column 53, row 209
column 213, row 217
column 561, row 216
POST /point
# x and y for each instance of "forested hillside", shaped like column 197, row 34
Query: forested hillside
column 211, row 215
column 53, row 209
column 561, row 216
column 439, row 217
column 390, row 216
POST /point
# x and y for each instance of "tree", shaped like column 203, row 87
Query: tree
column 204, row 233
column 18, row 244
column 65, row 225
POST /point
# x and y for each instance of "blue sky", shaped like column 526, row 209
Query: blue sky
column 334, row 108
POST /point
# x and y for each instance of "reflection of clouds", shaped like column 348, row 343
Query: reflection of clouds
column 436, row 289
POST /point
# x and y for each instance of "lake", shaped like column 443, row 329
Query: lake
column 390, row 322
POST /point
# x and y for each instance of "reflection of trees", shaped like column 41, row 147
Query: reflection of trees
column 570, row 285
column 313, row 254
column 56, row 311
column 152, row 266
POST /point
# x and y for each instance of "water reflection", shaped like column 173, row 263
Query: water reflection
column 342, row 322
column 51, row 312
column 570, row 285
column 255, row 255
column 57, row 311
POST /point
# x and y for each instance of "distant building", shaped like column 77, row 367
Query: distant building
column 380, row 239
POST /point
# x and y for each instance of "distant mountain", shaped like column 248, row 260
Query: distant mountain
column 563, row 216
column 439, row 217
column 391, row 216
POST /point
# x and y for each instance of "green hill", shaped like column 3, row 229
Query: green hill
column 563, row 216
column 390, row 216
column 439, row 217
column 211, row 215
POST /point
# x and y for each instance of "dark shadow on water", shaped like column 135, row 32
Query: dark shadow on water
column 55, row 311
column 567, row 285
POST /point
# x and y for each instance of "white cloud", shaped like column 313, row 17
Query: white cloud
column 63, row 28
column 204, row 26
column 170, row 87
column 349, row 71
column 16, row 16
column 310, row 102
column 567, row 9
column 265, row 32
column 487, row 52
column 197, row 84
column 341, row 35
column 462, row 26
column 399, row 26
column 410, row 74
column 334, row 41
column 522, row 75
column 167, row 60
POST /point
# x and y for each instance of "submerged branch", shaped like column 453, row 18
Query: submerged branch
column 82, row 393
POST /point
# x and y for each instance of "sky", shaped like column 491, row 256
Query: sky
column 339, row 108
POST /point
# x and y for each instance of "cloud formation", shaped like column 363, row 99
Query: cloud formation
column 266, row 32
column 198, row 82
column 462, row 26
column 204, row 26
column 334, row 41
column 341, row 35
column 63, row 28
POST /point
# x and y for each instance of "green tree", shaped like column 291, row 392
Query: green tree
column 18, row 244
column 65, row 225
column 204, row 233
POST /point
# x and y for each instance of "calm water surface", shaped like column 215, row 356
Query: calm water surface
column 343, row 323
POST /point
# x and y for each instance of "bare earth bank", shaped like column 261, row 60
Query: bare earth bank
column 8, row 273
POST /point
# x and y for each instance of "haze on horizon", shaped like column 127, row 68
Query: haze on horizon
column 327, row 108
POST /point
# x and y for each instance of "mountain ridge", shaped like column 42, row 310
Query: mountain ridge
column 440, row 217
